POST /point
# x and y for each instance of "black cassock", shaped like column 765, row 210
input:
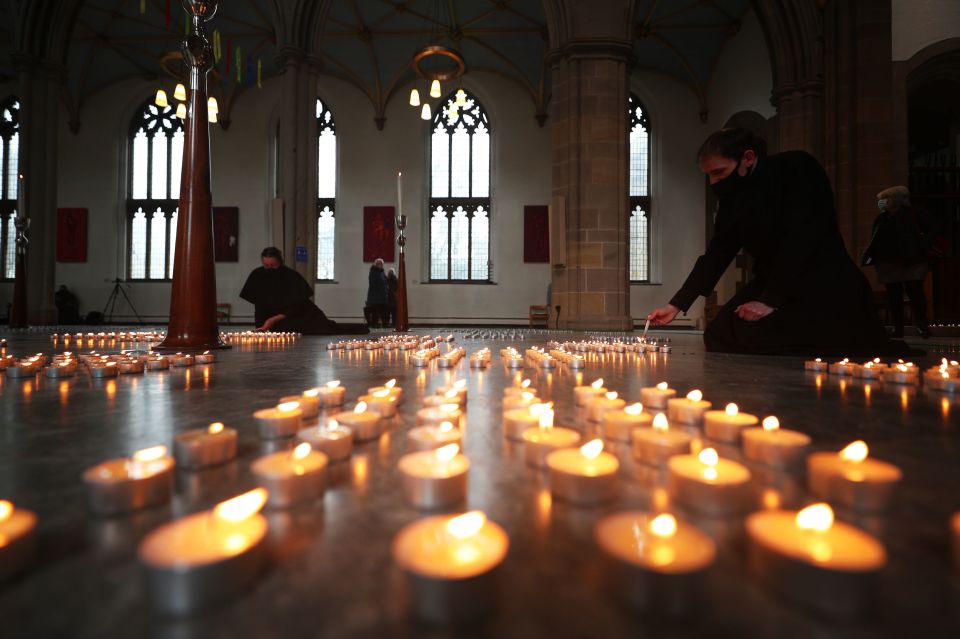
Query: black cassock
column 784, row 217
column 274, row 291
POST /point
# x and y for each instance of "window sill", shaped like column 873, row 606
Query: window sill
column 327, row 282
column 644, row 283
column 146, row 281
column 468, row 282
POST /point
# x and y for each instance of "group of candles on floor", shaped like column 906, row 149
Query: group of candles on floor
column 656, row 560
column 943, row 377
column 66, row 364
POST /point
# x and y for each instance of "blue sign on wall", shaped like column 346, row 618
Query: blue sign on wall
column 301, row 254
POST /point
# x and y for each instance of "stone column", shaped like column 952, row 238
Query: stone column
column 39, row 94
column 298, row 160
column 590, row 172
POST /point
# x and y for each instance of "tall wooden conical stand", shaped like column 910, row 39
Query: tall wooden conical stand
column 193, row 301
column 402, row 322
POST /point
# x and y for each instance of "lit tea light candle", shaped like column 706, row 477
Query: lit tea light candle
column 844, row 367
column 873, row 369
column 518, row 420
column 459, row 387
column 618, row 425
column 432, row 437
column 130, row 367
column 583, row 394
column 450, row 565
column 331, row 394
column 127, row 484
column 814, row 560
column 182, row 360
column 331, row 439
column 60, row 370
column 158, row 363
column 816, row 365
column 434, row 478
column 519, row 389
column 853, row 479
column 291, row 477
column 708, row 484
column 107, row 369
column 657, row 396
column 449, row 397
column 381, row 402
column 203, row 447
column 364, row 424
column 774, row 446
column 585, row 475
column 523, row 400
column 598, row 406
column 206, row 558
column 206, row 357
column 941, row 381
column 689, row 409
column 654, row 446
column 436, row 415
column 902, row 373
column 17, row 539
column 284, row 420
column 655, row 562
column 391, row 387
column 309, row 401
column 725, row 425
column 546, row 438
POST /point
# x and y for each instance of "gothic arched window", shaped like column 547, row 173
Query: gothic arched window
column 9, row 181
column 639, row 124
column 326, row 190
column 156, row 154
column 460, row 192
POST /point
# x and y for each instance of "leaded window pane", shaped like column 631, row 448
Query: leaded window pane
column 172, row 248
column 639, row 191
column 325, row 246
column 440, row 164
column 160, row 171
column 12, row 168
column 439, row 245
column 479, row 245
column 481, row 162
column 10, row 247
column 176, row 161
column 138, row 245
column 639, row 243
column 158, row 245
column 326, row 191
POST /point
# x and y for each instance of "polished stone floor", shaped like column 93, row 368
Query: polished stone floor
column 331, row 574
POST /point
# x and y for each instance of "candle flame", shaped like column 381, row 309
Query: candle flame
column 660, row 422
column 150, row 454
column 301, row 451
column 731, row 409
column 242, row 506
column 450, row 394
column 527, row 396
column 382, row 393
column 215, row 428
column 664, row 525
column 662, row 386
column 447, row 453
column 361, row 407
column 333, row 384
column 634, row 409
column 538, row 409
column 818, row 517
column 288, row 407
column 598, row 384
column 612, row 395
column 445, row 427
column 449, row 408
column 391, row 383
column 592, row 449
column 771, row 423
column 6, row 509
column 460, row 384
column 332, row 424
column 546, row 418
column 525, row 383
column 313, row 392
column 902, row 368
column 695, row 395
column 818, row 360
column 855, row 452
column 467, row 524
column 709, row 457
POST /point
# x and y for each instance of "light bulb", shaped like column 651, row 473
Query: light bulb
column 212, row 105
column 435, row 89
column 414, row 97
column 182, row 111
column 425, row 112
column 161, row 99
column 461, row 99
column 180, row 93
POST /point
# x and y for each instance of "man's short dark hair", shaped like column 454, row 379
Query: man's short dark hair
column 732, row 143
column 272, row 251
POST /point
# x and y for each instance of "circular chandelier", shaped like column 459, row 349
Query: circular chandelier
column 437, row 63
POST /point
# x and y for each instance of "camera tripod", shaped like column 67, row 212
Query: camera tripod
column 112, row 302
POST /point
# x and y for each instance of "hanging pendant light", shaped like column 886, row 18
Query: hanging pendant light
column 180, row 93
column 211, row 116
column 452, row 111
column 182, row 111
column 425, row 112
column 435, row 89
column 461, row 99
column 414, row 98
column 212, row 106
column 161, row 99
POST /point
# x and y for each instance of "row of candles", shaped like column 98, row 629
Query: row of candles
column 66, row 364
column 941, row 377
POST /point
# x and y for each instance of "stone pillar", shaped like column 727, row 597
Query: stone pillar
column 590, row 178
column 39, row 94
column 298, row 160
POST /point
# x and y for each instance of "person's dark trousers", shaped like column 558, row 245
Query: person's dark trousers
column 918, row 304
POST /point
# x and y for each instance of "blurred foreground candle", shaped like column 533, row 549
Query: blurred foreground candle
column 517, row 420
column 657, row 396
column 434, row 478
column 17, row 539
column 902, row 373
column 60, row 370
column 203, row 447
column 851, row 479
column 206, row 357
column 459, row 387
column 391, row 387
column 816, row 365
column 450, row 565
column 583, row 394
column 381, row 402
column 843, row 368
column 618, row 425
column 544, row 439
column 331, row 439
column 364, row 424
column 654, row 446
column 331, row 394
column 206, row 558
column 726, row 425
column 689, row 409
column 438, row 414
column 813, row 560
column 127, row 484
column 518, row 389
column 449, row 397
column 157, row 363
column 585, row 475
column 655, row 563
column 431, row 437
column 774, row 446
column 523, row 400
column 309, row 401
column 291, row 477
column 282, row 421
column 708, row 484
column 598, row 406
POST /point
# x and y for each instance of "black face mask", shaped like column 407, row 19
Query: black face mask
column 729, row 185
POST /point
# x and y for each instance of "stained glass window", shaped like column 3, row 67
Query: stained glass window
column 326, row 191
column 639, row 124
column 156, row 154
column 460, row 192
column 9, row 158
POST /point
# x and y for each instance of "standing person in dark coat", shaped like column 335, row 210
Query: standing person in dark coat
column 281, row 300
column 900, row 248
column 393, row 283
column 377, row 293
column 807, row 297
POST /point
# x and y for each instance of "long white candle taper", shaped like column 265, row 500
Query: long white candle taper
column 399, row 193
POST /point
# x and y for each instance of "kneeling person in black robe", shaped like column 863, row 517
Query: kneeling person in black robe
column 807, row 297
column 281, row 300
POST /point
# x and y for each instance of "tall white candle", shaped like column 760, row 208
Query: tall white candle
column 399, row 193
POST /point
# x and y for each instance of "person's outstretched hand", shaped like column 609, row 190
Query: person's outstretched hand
column 663, row 315
column 270, row 322
column 752, row 311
